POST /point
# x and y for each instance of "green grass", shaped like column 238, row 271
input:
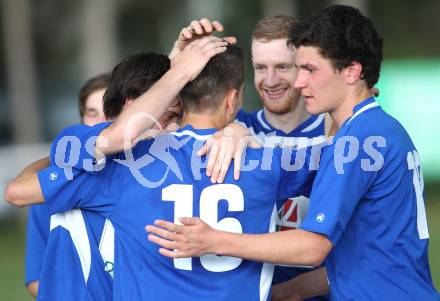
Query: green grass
column 12, row 233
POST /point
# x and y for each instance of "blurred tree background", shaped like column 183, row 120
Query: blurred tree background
column 48, row 48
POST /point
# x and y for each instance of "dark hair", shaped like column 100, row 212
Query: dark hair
column 273, row 28
column 90, row 86
column 223, row 72
column 131, row 78
column 342, row 35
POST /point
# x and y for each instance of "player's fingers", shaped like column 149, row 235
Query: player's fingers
column 172, row 253
column 197, row 27
column 209, row 40
column 189, row 221
column 212, row 157
column 168, row 226
column 217, row 26
column 186, row 34
column 230, row 40
column 205, row 148
column 225, row 165
column 218, row 164
column 161, row 232
column 161, row 241
column 206, row 24
column 237, row 163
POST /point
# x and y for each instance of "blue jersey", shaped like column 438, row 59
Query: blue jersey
column 368, row 200
column 294, row 210
column 73, row 268
column 166, row 182
column 69, row 248
column 37, row 233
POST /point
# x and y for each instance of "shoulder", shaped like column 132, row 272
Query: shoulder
column 378, row 124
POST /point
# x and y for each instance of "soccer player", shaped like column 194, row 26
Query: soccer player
column 78, row 238
column 283, row 116
column 367, row 216
column 38, row 228
column 173, row 184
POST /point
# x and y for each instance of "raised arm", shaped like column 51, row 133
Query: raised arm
column 141, row 114
column 25, row 188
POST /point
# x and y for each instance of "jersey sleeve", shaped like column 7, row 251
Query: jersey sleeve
column 37, row 233
column 74, row 146
column 97, row 191
column 336, row 194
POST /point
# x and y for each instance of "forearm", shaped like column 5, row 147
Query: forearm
column 294, row 247
column 25, row 188
column 141, row 115
column 307, row 285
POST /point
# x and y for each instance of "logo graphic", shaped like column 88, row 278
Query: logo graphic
column 53, row 176
column 320, row 217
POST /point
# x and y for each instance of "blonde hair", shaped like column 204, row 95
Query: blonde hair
column 274, row 27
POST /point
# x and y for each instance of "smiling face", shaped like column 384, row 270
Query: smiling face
column 321, row 86
column 274, row 75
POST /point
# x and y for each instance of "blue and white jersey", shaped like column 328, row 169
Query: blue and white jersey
column 295, row 209
column 37, row 233
column 65, row 253
column 167, row 181
column 73, row 268
column 313, row 127
column 368, row 200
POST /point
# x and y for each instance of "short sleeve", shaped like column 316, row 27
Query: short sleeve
column 335, row 195
column 97, row 191
column 37, row 233
column 75, row 145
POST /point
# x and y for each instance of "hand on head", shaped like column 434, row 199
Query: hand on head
column 197, row 30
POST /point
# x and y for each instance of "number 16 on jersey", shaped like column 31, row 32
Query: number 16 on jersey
column 182, row 196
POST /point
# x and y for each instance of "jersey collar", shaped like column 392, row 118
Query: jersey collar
column 361, row 107
column 308, row 125
column 199, row 134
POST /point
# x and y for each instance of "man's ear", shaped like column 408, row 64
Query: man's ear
column 353, row 73
column 231, row 101
column 127, row 103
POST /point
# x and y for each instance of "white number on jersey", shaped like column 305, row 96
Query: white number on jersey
column 414, row 165
column 182, row 196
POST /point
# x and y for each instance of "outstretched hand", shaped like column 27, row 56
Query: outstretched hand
column 193, row 238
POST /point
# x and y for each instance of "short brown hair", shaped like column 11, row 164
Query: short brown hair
column 273, row 28
column 223, row 72
column 92, row 85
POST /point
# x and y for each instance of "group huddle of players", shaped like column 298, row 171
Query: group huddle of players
column 139, row 201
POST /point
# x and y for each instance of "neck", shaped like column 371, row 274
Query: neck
column 345, row 109
column 289, row 121
column 202, row 120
